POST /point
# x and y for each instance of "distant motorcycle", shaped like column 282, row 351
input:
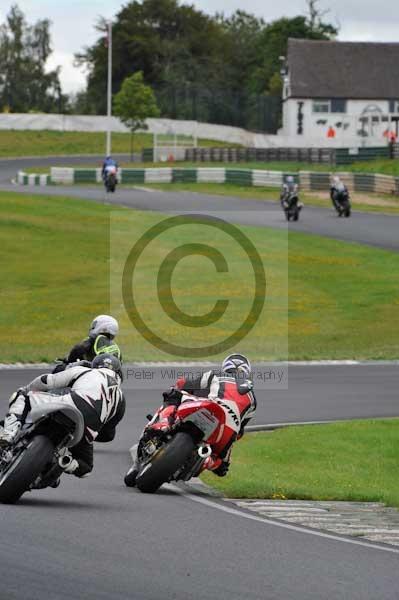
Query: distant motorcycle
column 290, row 202
column 36, row 458
column 177, row 441
column 110, row 178
column 341, row 201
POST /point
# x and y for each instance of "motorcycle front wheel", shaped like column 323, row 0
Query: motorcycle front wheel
column 26, row 467
column 165, row 463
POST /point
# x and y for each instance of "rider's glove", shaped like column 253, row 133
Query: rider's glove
column 173, row 397
column 222, row 470
column 66, row 461
column 245, row 387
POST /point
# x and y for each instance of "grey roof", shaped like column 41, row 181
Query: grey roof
column 357, row 70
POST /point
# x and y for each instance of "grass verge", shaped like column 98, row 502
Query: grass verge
column 342, row 298
column 362, row 202
column 353, row 461
column 14, row 143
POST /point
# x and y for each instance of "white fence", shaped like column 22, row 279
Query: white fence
column 222, row 133
column 55, row 122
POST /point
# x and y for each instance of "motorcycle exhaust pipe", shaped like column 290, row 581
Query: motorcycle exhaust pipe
column 204, row 451
column 65, row 461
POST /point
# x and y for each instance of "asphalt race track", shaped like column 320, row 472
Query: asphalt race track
column 94, row 539
column 315, row 393
column 367, row 228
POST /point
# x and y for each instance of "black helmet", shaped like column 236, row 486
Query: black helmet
column 108, row 361
column 238, row 365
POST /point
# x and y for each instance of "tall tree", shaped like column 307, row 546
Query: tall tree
column 215, row 69
column 242, row 33
column 272, row 44
column 134, row 103
column 25, row 85
column 315, row 19
column 171, row 44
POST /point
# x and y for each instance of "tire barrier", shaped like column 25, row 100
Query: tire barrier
column 327, row 156
column 32, row 179
column 307, row 180
column 309, row 155
column 243, row 177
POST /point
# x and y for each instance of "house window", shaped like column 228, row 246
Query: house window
column 335, row 105
column 338, row 105
column 394, row 106
column 321, row 106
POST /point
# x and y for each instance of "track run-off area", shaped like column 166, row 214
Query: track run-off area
column 98, row 540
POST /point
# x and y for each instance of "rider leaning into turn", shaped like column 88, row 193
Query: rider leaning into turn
column 96, row 392
column 232, row 384
column 102, row 332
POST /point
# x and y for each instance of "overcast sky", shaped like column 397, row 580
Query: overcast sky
column 73, row 22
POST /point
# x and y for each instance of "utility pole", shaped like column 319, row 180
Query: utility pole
column 109, row 89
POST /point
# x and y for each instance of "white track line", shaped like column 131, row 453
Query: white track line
column 145, row 189
column 239, row 513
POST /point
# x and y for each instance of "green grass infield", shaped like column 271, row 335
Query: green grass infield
column 352, row 461
column 341, row 301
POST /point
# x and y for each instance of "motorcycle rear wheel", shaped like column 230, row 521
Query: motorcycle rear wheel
column 165, row 463
column 25, row 469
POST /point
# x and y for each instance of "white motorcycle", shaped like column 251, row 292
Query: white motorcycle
column 37, row 457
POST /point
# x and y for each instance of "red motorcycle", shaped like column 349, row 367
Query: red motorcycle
column 178, row 443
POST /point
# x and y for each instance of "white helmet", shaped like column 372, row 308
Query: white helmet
column 104, row 324
column 237, row 364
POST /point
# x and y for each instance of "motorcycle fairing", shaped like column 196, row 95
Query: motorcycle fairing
column 43, row 404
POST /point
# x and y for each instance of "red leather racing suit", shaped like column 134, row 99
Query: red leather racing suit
column 223, row 388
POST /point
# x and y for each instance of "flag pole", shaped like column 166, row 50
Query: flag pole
column 109, row 90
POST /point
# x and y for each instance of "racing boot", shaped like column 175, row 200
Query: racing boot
column 8, row 433
column 130, row 477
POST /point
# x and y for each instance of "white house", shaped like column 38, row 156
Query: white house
column 340, row 93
